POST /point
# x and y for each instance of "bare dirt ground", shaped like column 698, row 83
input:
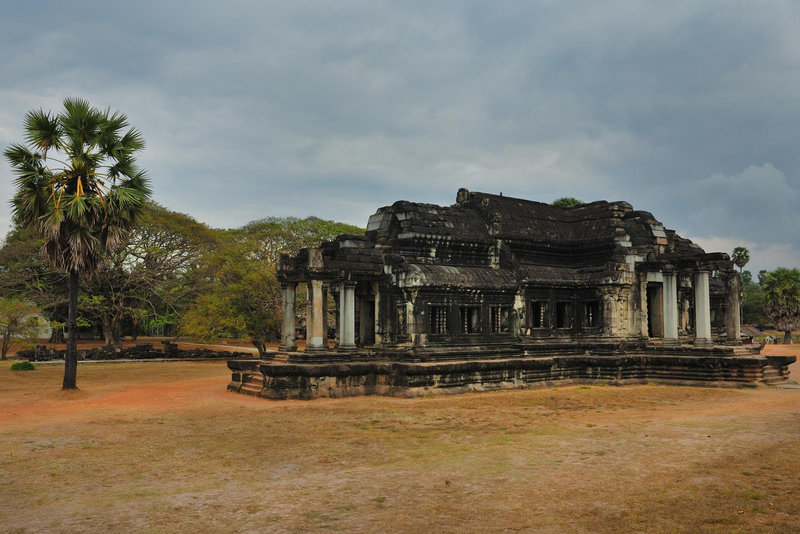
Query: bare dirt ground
column 162, row 447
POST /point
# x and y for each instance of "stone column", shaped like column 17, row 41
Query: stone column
column 669, row 302
column 347, row 316
column 519, row 325
column 341, row 304
column 324, row 317
column 337, row 318
column 732, row 308
column 314, row 336
column 702, row 310
column 288, row 343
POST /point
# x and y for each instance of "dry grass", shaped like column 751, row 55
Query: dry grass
column 162, row 447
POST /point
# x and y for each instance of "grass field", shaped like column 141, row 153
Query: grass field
column 162, row 447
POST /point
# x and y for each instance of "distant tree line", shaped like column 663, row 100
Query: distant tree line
column 773, row 299
column 173, row 276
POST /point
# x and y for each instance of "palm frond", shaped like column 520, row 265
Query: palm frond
column 42, row 130
column 140, row 182
column 28, row 205
column 113, row 123
column 21, row 156
column 81, row 123
column 133, row 140
column 81, row 211
column 123, row 167
column 109, row 139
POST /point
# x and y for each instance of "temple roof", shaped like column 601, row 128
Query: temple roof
column 483, row 217
column 485, row 239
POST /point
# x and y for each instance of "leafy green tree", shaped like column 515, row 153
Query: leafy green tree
column 78, row 185
column 154, row 274
column 19, row 321
column 105, row 312
column 567, row 202
column 753, row 305
column 782, row 299
column 747, row 278
column 277, row 235
column 740, row 257
column 27, row 274
column 244, row 301
column 243, row 298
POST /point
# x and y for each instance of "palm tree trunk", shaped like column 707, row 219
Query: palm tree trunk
column 71, row 358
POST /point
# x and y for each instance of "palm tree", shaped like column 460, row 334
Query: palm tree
column 782, row 299
column 78, row 185
column 740, row 257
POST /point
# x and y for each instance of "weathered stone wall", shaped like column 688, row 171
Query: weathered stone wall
column 293, row 381
column 138, row 352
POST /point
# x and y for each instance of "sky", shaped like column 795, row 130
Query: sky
column 251, row 109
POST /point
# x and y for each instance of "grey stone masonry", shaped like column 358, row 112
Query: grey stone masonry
column 702, row 309
column 288, row 343
column 499, row 277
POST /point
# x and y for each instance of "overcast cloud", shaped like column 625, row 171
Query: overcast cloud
column 250, row 109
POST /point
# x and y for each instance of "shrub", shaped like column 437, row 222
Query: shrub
column 567, row 202
column 23, row 366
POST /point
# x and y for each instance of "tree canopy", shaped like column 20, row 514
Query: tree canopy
column 782, row 299
column 153, row 277
column 271, row 236
column 172, row 271
column 740, row 257
column 27, row 274
column 567, row 202
column 243, row 298
column 19, row 321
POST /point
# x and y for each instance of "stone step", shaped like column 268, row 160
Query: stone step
column 772, row 376
column 337, row 377
column 251, row 388
column 280, row 357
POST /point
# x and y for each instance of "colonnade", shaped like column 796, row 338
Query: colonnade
column 317, row 331
column 702, row 309
column 316, row 316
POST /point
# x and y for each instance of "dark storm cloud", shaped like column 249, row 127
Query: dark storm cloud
column 251, row 109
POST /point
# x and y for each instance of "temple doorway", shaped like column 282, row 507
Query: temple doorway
column 367, row 326
column 365, row 315
column 655, row 310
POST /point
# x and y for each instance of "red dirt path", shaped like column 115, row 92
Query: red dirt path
column 162, row 447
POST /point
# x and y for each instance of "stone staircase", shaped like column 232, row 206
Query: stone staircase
column 773, row 377
column 775, row 373
column 252, row 384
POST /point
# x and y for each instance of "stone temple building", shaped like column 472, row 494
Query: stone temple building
column 497, row 292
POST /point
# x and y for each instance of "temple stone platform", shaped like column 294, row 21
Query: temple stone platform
column 495, row 292
column 309, row 375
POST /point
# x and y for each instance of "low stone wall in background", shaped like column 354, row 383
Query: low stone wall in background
column 168, row 350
